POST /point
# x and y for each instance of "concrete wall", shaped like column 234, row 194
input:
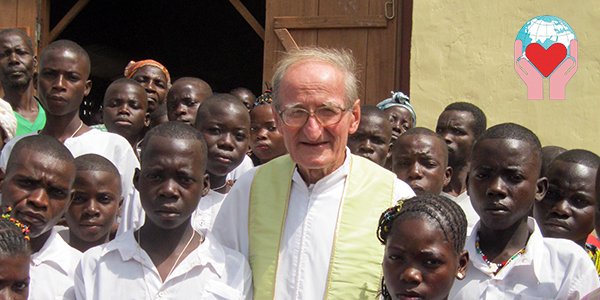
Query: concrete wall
column 462, row 50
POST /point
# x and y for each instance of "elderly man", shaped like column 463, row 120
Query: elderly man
column 306, row 220
column 17, row 66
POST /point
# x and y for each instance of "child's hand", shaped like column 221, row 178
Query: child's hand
column 563, row 73
column 528, row 73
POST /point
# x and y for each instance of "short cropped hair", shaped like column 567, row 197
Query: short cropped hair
column 340, row 59
column 21, row 33
column 42, row 144
column 427, row 132
column 218, row 100
column 580, row 156
column 71, row 46
column 175, row 130
column 95, row 162
column 478, row 115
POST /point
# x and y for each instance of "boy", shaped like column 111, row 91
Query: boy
column 509, row 258
column 166, row 257
column 96, row 199
column 225, row 125
column 373, row 137
column 245, row 95
column 184, row 98
column 62, row 83
column 420, row 158
column 39, row 177
column 549, row 153
column 125, row 110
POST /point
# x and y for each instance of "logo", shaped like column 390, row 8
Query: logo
column 546, row 47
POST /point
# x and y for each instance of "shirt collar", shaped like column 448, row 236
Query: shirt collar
column 57, row 252
column 336, row 175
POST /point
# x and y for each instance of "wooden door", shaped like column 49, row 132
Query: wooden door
column 377, row 32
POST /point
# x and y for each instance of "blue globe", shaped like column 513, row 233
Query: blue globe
column 546, row 30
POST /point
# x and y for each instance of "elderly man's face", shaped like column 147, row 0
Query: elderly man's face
column 318, row 150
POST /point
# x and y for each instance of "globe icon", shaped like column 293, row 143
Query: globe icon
column 546, row 31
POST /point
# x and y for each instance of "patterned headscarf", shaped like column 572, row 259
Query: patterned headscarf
column 8, row 121
column 398, row 99
column 133, row 66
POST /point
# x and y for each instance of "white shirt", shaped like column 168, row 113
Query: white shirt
column 123, row 270
column 308, row 235
column 204, row 216
column 244, row 167
column 549, row 269
column 52, row 270
column 464, row 201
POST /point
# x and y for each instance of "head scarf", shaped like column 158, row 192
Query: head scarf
column 8, row 121
column 264, row 98
column 398, row 99
column 133, row 66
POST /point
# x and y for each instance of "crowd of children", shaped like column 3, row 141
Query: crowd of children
column 126, row 209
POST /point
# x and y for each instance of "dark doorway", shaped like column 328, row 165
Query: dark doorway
column 205, row 39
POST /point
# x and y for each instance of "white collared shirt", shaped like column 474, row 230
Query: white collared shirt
column 204, row 216
column 307, row 238
column 549, row 269
column 123, row 270
column 464, row 201
column 52, row 270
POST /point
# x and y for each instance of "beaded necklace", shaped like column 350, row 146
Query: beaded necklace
column 496, row 267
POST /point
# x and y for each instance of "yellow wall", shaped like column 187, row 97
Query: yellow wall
column 462, row 50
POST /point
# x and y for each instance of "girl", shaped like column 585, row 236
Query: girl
column 14, row 258
column 424, row 239
column 266, row 142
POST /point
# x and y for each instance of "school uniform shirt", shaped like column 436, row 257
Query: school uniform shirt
column 52, row 270
column 244, row 167
column 308, row 235
column 204, row 216
column 122, row 270
column 549, row 269
column 464, row 201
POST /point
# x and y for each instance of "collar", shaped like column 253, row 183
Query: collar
column 335, row 176
column 58, row 253
column 533, row 249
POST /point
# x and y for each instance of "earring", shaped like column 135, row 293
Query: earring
column 460, row 275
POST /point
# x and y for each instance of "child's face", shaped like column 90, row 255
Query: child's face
column 92, row 213
column 567, row 210
column 226, row 130
column 14, row 277
column 401, row 120
column 62, row 81
column 456, row 127
column 419, row 262
column 420, row 161
column 183, row 101
column 171, row 181
column 125, row 109
column 266, row 141
column 504, row 181
column 38, row 187
column 372, row 139
column 154, row 82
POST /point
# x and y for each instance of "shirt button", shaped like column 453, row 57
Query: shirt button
column 161, row 294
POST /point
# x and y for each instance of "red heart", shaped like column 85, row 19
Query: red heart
column 546, row 60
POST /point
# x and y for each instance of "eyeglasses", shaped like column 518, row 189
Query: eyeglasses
column 325, row 115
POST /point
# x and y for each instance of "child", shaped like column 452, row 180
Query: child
column 15, row 256
column 225, row 125
column 424, row 239
column 549, row 153
column 96, row 199
column 509, row 258
column 266, row 142
column 184, row 98
column 420, row 158
column 166, row 257
column 567, row 211
column 373, row 137
column 59, row 61
column 125, row 110
column 400, row 113
column 245, row 95
column 38, row 182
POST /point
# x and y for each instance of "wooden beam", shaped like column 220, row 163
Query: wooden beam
column 286, row 39
column 321, row 22
column 247, row 15
column 66, row 20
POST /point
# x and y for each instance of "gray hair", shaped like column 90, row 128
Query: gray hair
column 339, row 59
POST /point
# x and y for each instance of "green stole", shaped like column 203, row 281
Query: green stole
column 355, row 264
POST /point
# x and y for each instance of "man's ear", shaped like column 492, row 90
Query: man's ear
column 136, row 178
column 88, row 87
column 541, row 188
column 463, row 262
column 206, row 183
column 147, row 120
column 447, row 175
column 356, row 117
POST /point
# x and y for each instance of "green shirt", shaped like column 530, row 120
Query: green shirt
column 26, row 127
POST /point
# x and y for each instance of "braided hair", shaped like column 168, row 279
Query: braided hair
column 449, row 217
column 13, row 237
